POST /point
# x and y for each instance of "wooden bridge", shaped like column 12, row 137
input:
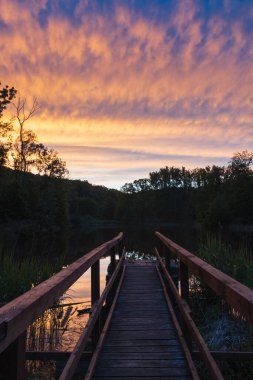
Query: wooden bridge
column 148, row 332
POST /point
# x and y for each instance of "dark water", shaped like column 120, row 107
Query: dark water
column 74, row 243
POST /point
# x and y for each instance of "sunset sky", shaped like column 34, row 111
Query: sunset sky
column 129, row 86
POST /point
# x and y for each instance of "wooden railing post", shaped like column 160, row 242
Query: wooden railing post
column 113, row 259
column 184, row 281
column 184, row 290
column 12, row 360
column 165, row 252
column 120, row 247
column 95, row 282
column 168, row 260
column 95, row 294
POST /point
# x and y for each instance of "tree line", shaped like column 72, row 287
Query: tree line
column 238, row 168
column 214, row 195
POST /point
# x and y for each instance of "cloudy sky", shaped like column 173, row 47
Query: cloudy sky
column 129, row 86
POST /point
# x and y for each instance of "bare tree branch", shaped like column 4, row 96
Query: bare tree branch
column 22, row 115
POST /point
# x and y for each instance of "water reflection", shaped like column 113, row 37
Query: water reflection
column 59, row 328
column 80, row 291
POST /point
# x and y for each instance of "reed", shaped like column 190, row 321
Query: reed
column 19, row 275
column 222, row 328
column 236, row 262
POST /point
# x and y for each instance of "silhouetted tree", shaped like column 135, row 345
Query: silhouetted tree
column 24, row 152
column 28, row 154
column 240, row 165
column 48, row 163
column 7, row 94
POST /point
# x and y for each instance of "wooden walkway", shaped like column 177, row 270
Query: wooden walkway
column 142, row 338
column 141, row 342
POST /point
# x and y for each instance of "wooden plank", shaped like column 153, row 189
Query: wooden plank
column 142, row 327
column 143, row 296
column 139, row 313
column 143, row 309
column 144, row 292
column 138, row 334
column 168, row 372
column 141, row 342
column 236, row 294
column 141, row 363
column 138, row 300
column 139, row 321
column 142, row 355
column 172, row 347
column 141, row 303
column 17, row 315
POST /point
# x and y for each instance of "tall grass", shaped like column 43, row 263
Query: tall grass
column 236, row 262
column 222, row 328
column 18, row 276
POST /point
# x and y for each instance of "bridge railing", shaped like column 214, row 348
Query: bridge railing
column 237, row 295
column 17, row 315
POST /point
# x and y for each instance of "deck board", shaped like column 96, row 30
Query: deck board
column 141, row 342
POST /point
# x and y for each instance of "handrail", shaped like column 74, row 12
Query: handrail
column 181, row 338
column 76, row 354
column 17, row 315
column 97, row 351
column 233, row 292
column 184, row 310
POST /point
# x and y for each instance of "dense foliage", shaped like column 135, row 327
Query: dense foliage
column 211, row 195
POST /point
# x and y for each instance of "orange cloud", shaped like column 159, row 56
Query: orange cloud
column 129, row 82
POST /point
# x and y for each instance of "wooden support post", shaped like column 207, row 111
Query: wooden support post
column 120, row 248
column 12, row 360
column 95, row 282
column 167, row 255
column 174, row 269
column 184, row 290
column 95, row 294
column 184, row 281
column 113, row 260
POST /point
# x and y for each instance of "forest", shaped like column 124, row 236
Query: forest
column 35, row 190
